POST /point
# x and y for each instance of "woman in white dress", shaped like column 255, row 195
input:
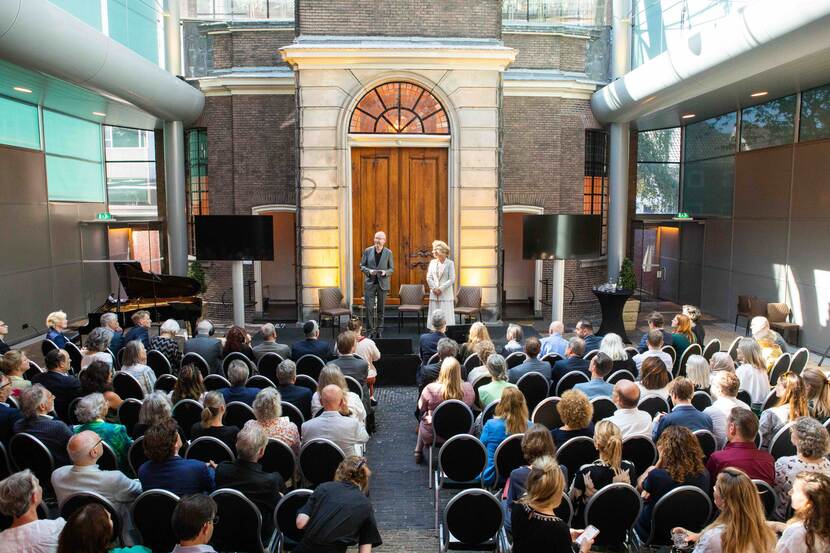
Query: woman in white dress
column 440, row 279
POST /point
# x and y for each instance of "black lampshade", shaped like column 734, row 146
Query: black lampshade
column 561, row 236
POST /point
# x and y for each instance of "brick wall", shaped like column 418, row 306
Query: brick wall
column 428, row 18
column 250, row 48
column 547, row 51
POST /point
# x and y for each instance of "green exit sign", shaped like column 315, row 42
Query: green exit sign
column 104, row 216
column 682, row 215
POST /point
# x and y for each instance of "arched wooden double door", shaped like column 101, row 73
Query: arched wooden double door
column 403, row 192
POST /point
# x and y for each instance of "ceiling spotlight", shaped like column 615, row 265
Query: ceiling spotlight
column 687, row 115
column 99, row 113
column 23, row 90
column 759, row 94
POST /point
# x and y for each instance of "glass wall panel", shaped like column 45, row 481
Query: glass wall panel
column 587, row 13
column 131, row 171
column 713, row 137
column 662, row 145
column 707, row 186
column 658, row 186
column 74, row 171
column 74, row 180
column 196, row 169
column 768, row 124
column 88, row 11
column 815, row 113
column 224, row 10
column 19, row 124
column 70, row 136
column 134, row 23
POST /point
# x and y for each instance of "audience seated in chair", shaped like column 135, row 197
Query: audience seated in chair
column 350, row 365
column 4, row 331
column 8, row 414
column 811, row 503
column 612, row 346
column 573, row 360
column 697, row 324
column 298, row 396
column 761, row 331
column 189, row 385
column 237, row 341
column 91, row 411
column 238, row 373
column 354, row 406
column 134, row 363
column 14, row 365
column 478, row 333
column 83, row 475
column 585, row 330
column 97, row 379
column 312, row 344
column 511, row 418
column 140, row 330
column 792, row 404
column 812, row 445
column 752, row 371
column 630, row 420
column 721, row 361
column 740, row 450
column 167, row 344
column 697, row 370
column 35, row 404
column 110, row 322
column 531, row 364
column 206, row 345
column 655, row 322
column 654, row 378
column 576, row 412
column 346, row 432
column 428, row 342
column 166, row 470
column 497, row 369
column 89, row 529
column 724, row 386
column 600, row 367
column 484, row 350
column 269, row 344
column 193, row 522
column 368, row 351
column 268, row 412
column 245, row 474
column 682, row 337
column 684, row 413
column 63, row 386
column 20, row 496
column 818, row 393
column 211, row 423
column 447, row 347
column 344, row 498
column 56, row 324
column 554, row 342
column 95, row 349
column 155, row 409
column 515, row 337
column 654, row 342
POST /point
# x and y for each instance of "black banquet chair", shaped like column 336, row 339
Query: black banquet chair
column 126, row 386
column 576, row 452
column 136, row 456
column 215, row 382
column 621, row 374
column 613, row 510
column 515, row 359
column 27, row 452
column 534, row 386
column 685, row 506
column 285, row 519
column 268, row 364
column 781, row 444
column 569, row 380
column 208, row 448
column 707, row 443
column 128, row 414
column 166, row 383
column 508, row 456
column 81, row 499
column 157, row 361
column 639, row 450
column 603, row 408
column 768, row 497
column 279, row 458
column 472, row 521
column 319, row 459
column 187, row 412
column 234, row 355
column 311, row 365
column 237, row 414
column 240, row 523
column 152, row 516
column 450, row 418
column 193, row 358
column 653, row 404
column 108, row 459
column 701, row 400
column 293, row 413
column 546, row 413
column 461, row 463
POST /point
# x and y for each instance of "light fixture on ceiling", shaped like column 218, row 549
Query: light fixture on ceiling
column 758, row 94
column 99, row 113
column 23, row 90
column 687, row 115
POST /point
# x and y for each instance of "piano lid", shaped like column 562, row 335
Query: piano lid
column 138, row 284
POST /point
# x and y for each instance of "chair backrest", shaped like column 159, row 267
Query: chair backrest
column 653, row 404
column 546, row 413
column 552, row 358
column 47, row 345
column 319, row 459
column 153, row 517
column 534, row 386
column 158, row 362
column 136, row 456
column 639, row 450
column 193, row 358
column 672, row 353
column 311, row 365
column 215, row 382
column 233, row 356
column 569, row 380
column 108, row 459
column 565, row 510
column 259, row 381
column 744, row 396
column 240, row 523
column 482, row 380
column 237, row 414
column 306, row 382
column 590, row 355
column 166, row 383
column 120, row 357
column 279, row 458
column 187, row 412
column 75, row 355
column 768, row 497
column 462, row 458
column 613, row 510
column 693, row 349
column 471, row 362
column 71, row 416
column 733, row 348
column 472, row 517
column 329, row 298
column 770, row 401
column 577, row 452
column 711, row 349
column 631, row 351
column 701, row 400
column 208, row 448
column 686, row 506
column 12, row 402
column 81, row 499
column 268, row 364
column 468, row 296
column 781, row 444
column 744, row 304
column 621, row 374
column 508, row 456
column 432, row 359
column 354, row 386
column 603, row 408
column 126, row 386
column 707, row 443
column 489, row 412
column 33, row 370
column 27, row 452
column 515, row 359
column 128, row 414
column 778, row 312
column 782, row 365
column 799, row 360
column 293, row 413
column 5, row 470
column 450, row 418
column 285, row 516
column 412, row 294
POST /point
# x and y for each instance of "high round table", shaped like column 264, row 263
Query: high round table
column 612, row 304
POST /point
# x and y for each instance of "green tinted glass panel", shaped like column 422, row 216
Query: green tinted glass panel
column 768, row 124
column 19, row 125
column 131, row 183
column 707, row 186
column 659, row 145
column 74, row 180
column 70, row 136
column 713, row 137
column 657, row 188
column 133, row 24
column 88, row 11
column 815, row 113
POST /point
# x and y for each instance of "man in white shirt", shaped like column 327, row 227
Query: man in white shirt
column 654, row 341
column 20, row 496
column 630, row 420
column 554, row 343
column 346, row 432
column 725, row 386
column 83, row 475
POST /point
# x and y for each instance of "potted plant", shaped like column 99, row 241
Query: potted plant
column 628, row 281
column 197, row 272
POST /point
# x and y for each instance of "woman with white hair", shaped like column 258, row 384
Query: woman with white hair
column 697, row 370
column 515, row 339
column 96, row 347
column 166, row 343
column 134, row 363
column 612, row 346
column 20, row 496
column 812, row 443
column 268, row 412
column 752, row 371
column 440, row 279
column 56, row 322
column 91, row 411
column 721, row 361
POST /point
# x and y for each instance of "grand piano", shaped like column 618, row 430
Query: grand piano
column 164, row 296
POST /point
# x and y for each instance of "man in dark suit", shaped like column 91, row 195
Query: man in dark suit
column 269, row 344
column 8, row 415
column 573, row 360
column 532, row 348
column 351, row 365
column 238, row 373
column 428, row 343
column 35, row 402
column 4, row 330
column 655, row 322
column 376, row 265
column 312, row 345
column 585, row 330
column 110, row 322
column 63, row 386
column 298, row 396
column 206, row 345
column 246, row 475
column 140, row 330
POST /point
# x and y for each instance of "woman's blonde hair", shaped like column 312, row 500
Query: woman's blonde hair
column 721, row 361
column 442, row 246
column 53, row 318
column 575, row 409
column 514, row 332
column 355, row 470
column 512, row 408
column 450, row 379
column 741, row 517
column 13, row 361
column 684, row 327
column 331, row 374
column 484, row 349
column 612, row 346
column 213, row 405
column 818, row 391
column 750, row 352
column 544, row 485
column 697, row 369
column 478, row 333
column 608, row 439
column 795, row 395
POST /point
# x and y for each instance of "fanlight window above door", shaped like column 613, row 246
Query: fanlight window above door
column 399, row 108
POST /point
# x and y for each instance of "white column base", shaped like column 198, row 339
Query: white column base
column 238, row 294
